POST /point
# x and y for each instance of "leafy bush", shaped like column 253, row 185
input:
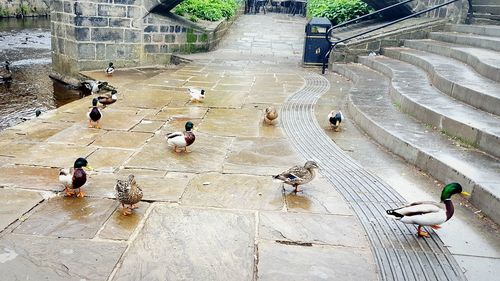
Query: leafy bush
column 337, row 11
column 211, row 10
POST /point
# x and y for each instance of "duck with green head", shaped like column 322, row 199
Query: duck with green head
column 75, row 177
column 429, row 213
column 182, row 139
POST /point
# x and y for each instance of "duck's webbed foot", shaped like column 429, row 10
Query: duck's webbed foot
column 68, row 192
column 422, row 233
column 80, row 193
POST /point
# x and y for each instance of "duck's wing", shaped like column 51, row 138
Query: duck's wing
column 174, row 134
column 415, row 209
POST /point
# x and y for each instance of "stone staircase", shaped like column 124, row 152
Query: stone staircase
column 436, row 103
column 486, row 11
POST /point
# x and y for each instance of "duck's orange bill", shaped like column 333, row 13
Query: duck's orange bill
column 88, row 167
column 465, row 193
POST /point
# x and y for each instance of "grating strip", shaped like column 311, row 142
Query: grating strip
column 399, row 254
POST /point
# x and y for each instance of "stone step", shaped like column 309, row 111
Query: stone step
column 483, row 30
column 488, row 42
column 485, row 20
column 412, row 91
column 485, row 62
column 484, row 2
column 487, row 9
column 372, row 109
column 487, row 16
column 453, row 78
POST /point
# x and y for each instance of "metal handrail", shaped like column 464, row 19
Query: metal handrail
column 362, row 17
column 333, row 44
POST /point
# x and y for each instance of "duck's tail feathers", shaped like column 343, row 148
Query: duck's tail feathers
column 394, row 213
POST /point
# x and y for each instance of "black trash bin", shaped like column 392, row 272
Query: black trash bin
column 315, row 44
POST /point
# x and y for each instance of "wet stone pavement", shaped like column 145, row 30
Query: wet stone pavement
column 212, row 214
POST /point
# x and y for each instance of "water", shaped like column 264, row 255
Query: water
column 26, row 44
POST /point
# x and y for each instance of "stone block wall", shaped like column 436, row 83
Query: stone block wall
column 11, row 8
column 455, row 12
column 88, row 34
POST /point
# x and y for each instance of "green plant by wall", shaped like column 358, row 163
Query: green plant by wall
column 4, row 12
column 24, row 9
column 211, row 10
column 337, row 11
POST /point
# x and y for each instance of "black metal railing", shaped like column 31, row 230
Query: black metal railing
column 335, row 43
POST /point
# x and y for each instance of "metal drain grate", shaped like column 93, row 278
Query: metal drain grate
column 399, row 254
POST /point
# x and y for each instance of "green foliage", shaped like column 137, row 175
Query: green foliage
column 24, row 9
column 211, row 10
column 4, row 12
column 337, row 11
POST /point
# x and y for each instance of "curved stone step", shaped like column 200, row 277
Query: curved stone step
column 488, row 9
column 372, row 109
column 410, row 89
column 484, row 30
column 484, row 2
column 492, row 43
column 453, row 78
column 485, row 62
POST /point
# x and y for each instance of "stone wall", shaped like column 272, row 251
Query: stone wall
column 11, row 8
column 87, row 34
column 455, row 12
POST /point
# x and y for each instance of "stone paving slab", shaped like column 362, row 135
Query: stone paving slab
column 155, row 187
column 24, row 257
column 290, row 262
column 233, row 191
column 207, row 154
column 15, row 203
column 148, row 126
column 160, row 254
column 78, row 134
column 311, row 228
column 262, row 156
column 108, row 159
column 68, row 217
column 121, row 139
column 120, row 227
column 30, row 177
column 243, row 122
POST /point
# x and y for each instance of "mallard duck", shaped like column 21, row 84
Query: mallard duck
column 108, row 99
column 128, row 193
column 429, row 213
column 6, row 73
column 110, row 69
column 298, row 175
column 94, row 115
column 74, row 178
column 196, row 94
column 91, row 86
column 182, row 139
column 335, row 119
column 270, row 115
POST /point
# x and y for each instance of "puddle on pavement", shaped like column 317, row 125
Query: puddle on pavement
column 298, row 200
